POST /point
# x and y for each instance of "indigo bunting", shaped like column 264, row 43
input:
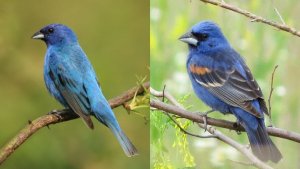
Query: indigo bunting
column 71, row 79
column 223, row 81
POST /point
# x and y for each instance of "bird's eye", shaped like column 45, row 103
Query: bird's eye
column 50, row 30
column 201, row 36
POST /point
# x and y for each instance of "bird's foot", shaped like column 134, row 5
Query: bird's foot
column 52, row 112
column 237, row 125
column 55, row 113
column 204, row 116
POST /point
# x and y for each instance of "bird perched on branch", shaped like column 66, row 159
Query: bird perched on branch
column 223, row 81
column 70, row 78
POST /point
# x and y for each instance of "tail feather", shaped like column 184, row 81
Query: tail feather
column 124, row 141
column 107, row 117
column 261, row 144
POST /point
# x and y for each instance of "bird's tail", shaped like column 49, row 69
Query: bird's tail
column 110, row 121
column 124, row 141
column 261, row 144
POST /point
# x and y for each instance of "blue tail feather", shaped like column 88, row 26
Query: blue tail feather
column 110, row 121
column 260, row 142
column 125, row 143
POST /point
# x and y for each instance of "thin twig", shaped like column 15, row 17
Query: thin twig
column 271, row 92
column 277, row 12
column 186, row 132
column 170, row 97
column 253, row 17
column 64, row 115
column 165, row 94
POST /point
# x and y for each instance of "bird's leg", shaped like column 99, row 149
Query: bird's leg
column 204, row 116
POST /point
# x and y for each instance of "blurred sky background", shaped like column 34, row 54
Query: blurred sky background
column 262, row 46
column 115, row 36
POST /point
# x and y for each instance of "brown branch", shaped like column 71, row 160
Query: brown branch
column 253, row 17
column 64, row 115
column 218, row 122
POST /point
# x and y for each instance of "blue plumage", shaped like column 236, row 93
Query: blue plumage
column 70, row 78
column 222, row 80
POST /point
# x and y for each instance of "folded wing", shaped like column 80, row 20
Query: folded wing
column 230, row 86
column 74, row 92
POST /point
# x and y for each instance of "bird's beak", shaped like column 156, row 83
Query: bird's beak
column 189, row 38
column 38, row 35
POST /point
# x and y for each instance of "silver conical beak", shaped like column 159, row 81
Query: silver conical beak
column 38, row 35
column 189, row 38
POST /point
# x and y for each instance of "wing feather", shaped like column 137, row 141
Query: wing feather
column 231, row 87
column 74, row 92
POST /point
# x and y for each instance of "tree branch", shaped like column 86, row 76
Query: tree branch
column 64, row 115
column 214, row 132
column 273, row 131
column 253, row 17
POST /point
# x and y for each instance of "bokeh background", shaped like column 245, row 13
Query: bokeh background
column 115, row 36
column 262, row 46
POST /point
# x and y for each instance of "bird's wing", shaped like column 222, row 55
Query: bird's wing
column 73, row 89
column 230, row 86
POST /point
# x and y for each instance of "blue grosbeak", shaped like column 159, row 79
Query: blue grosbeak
column 70, row 78
column 223, row 81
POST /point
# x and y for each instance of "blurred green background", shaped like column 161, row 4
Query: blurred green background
column 262, row 46
column 115, row 36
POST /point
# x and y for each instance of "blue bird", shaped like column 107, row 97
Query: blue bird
column 71, row 79
column 223, row 81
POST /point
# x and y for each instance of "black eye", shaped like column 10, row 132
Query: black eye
column 201, row 36
column 50, row 30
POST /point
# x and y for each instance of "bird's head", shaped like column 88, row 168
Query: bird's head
column 56, row 34
column 204, row 36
